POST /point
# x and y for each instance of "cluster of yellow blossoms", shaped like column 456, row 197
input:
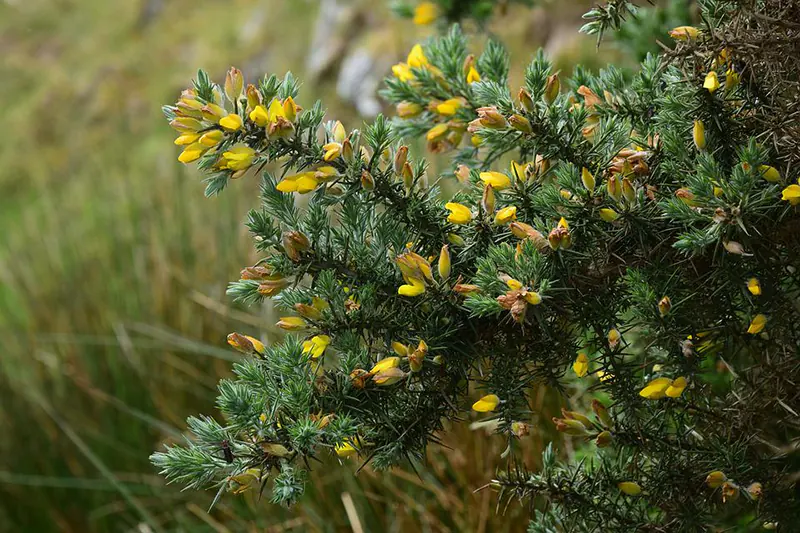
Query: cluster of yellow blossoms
column 204, row 125
column 731, row 490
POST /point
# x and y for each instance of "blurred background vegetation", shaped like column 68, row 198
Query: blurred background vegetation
column 113, row 267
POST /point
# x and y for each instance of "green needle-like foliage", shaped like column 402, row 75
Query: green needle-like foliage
column 643, row 241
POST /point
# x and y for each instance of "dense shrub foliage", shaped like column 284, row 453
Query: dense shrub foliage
column 630, row 235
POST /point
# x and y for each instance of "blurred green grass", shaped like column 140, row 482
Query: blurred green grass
column 113, row 271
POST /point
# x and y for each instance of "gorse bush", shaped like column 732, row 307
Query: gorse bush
column 627, row 239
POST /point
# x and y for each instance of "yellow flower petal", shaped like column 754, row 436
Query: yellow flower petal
column 630, row 488
column 459, row 213
column 791, row 194
column 505, row 215
column 676, row 388
column 757, row 325
column 385, row 364
column 581, row 365
column 656, row 389
column 754, row 286
column 425, row 13
column 231, row 122
column 497, row 180
column 711, row 82
column 486, row 404
column 415, row 287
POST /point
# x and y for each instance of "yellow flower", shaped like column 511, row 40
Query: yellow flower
column 731, row 79
column 664, row 305
column 791, row 194
column 757, row 325
column 259, row 116
column 436, row 132
column 187, row 139
column 754, row 286
column 425, row 13
column 332, row 151
column 448, row 107
column 387, row 377
column 699, row 134
column 676, row 387
column 711, row 82
column 630, row 488
column 291, row 323
column 473, row 75
column 505, row 215
column 232, row 122
column 246, row 343
column 444, row 264
column 755, row 490
column 533, row 297
column 715, row 479
column 415, row 287
column 608, row 214
column 302, row 183
column 730, row 491
column 497, row 180
column 684, row 33
column 769, row 173
column 316, row 346
column 486, row 404
column 656, row 389
column 408, row 109
column 614, row 338
column 513, row 284
column 346, row 449
column 416, row 57
column 402, row 72
column 385, row 364
column 459, row 213
column 238, row 158
column 581, row 365
column 211, row 138
column 588, row 179
column 192, row 153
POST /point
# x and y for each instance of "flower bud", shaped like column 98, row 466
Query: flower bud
column 755, row 490
column 520, row 123
column 588, row 179
column 570, row 427
column 603, row 439
column 552, row 88
column 488, row 200
column 308, row 311
column 367, row 181
column 246, row 344
column 347, row 151
column 525, row 99
column 614, row 187
column 408, row 176
column 253, row 97
column 664, row 305
column 715, row 479
column 400, row 158
column 462, row 173
column 628, row 190
column 444, row 262
column 490, row 117
column 630, row 488
column 602, row 414
column 234, row 82
column 730, row 491
column 270, row 288
column 608, row 214
column 699, row 134
column 294, row 243
column 754, row 286
column 291, row 323
column 408, row 109
column 520, row 429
